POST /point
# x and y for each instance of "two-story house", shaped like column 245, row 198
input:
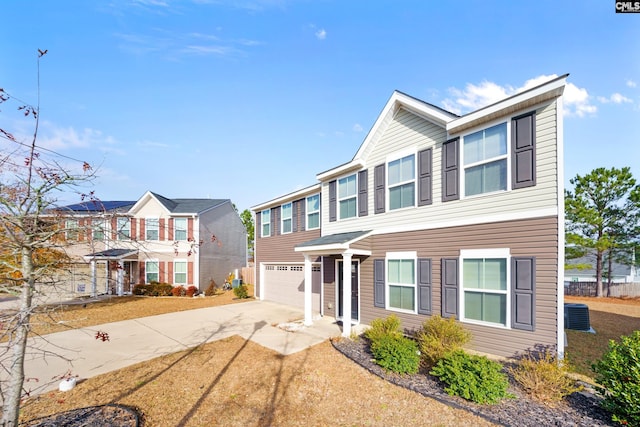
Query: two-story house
column 435, row 214
column 155, row 239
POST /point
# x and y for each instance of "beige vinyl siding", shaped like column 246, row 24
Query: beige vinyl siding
column 408, row 130
column 533, row 237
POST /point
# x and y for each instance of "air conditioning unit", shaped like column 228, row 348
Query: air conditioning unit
column 576, row 317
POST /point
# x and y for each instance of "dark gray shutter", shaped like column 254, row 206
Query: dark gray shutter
column 302, row 205
column 363, row 202
column 275, row 221
column 450, row 170
column 449, row 282
column 523, row 156
column 378, row 283
column 258, row 224
column 424, row 286
column 332, row 201
column 294, row 216
column 425, row 178
column 523, row 279
column 379, row 184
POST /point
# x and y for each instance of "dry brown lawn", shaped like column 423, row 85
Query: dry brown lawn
column 234, row 382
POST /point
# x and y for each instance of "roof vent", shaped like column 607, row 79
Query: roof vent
column 576, row 317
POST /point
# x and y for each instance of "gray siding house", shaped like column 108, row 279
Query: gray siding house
column 436, row 214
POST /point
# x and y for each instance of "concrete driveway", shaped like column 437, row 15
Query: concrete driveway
column 79, row 353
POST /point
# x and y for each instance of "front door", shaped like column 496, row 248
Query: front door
column 354, row 290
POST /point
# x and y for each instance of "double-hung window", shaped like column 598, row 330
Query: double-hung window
column 152, row 228
column 485, row 285
column 180, row 229
column 347, row 194
column 124, row 228
column 180, row 272
column 265, row 218
column 151, row 271
column 286, row 218
column 401, row 281
column 313, row 212
column 99, row 229
column 485, row 160
column 402, row 182
column 71, row 229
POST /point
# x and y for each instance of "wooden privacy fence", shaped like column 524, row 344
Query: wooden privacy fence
column 248, row 275
column 588, row 289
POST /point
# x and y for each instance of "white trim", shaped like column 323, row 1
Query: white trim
column 146, row 270
column 353, row 165
column 175, row 227
column 393, row 158
column 287, row 197
column 262, row 223
column 354, row 196
column 118, row 229
column 337, row 307
column 560, row 177
column 399, row 256
column 186, row 271
column 501, row 253
column 307, row 213
column 282, row 218
column 146, row 227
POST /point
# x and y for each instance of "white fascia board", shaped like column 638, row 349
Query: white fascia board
column 315, row 188
column 536, row 95
column 355, row 164
column 332, row 250
column 143, row 201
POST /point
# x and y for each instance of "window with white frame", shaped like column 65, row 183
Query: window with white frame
column 152, row 228
column 180, row 272
column 401, row 281
column 347, row 196
column 402, row 182
column 485, row 160
column 286, row 218
column 99, row 229
column 71, row 229
column 124, row 228
column 313, row 212
column 180, row 229
column 151, row 271
column 485, row 285
column 265, row 218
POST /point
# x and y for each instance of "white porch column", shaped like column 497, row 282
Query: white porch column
column 308, row 287
column 120, row 278
column 94, row 280
column 346, row 295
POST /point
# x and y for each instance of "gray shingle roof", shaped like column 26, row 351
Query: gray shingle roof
column 334, row 239
column 188, row 205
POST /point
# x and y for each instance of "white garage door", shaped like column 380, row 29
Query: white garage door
column 284, row 283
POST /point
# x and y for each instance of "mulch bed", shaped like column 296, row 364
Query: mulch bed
column 94, row 416
column 578, row 409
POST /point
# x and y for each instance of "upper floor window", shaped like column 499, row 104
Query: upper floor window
column 485, row 160
column 180, row 228
column 347, row 193
column 124, row 228
column 99, row 229
column 152, row 229
column 313, row 212
column 402, row 182
column 286, row 218
column 265, row 218
column 71, row 229
column 180, row 272
column 485, row 285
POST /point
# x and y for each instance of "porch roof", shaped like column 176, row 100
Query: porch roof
column 113, row 254
column 334, row 243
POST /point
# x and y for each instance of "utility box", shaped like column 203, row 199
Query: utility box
column 576, row 317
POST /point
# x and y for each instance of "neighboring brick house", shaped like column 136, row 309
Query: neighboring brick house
column 155, row 239
column 435, row 214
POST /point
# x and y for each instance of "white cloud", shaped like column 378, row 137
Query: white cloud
column 473, row 97
column 357, row 127
column 321, row 34
column 615, row 98
column 631, row 83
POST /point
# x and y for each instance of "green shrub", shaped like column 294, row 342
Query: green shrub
column 474, row 378
column 396, row 353
column 618, row 377
column 437, row 337
column 177, row 291
column 141, row 289
column 383, row 328
column 191, row 291
column 543, row 376
column 241, row 291
column 161, row 289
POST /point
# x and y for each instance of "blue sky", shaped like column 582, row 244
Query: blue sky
column 249, row 99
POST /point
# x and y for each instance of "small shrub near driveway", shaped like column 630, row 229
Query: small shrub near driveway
column 390, row 326
column 397, row 354
column 437, row 337
column 544, row 377
column 241, row 292
column 472, row 377
column 618, row 377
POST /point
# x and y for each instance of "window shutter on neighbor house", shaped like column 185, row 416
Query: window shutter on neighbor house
column 449, row 282
column 143, row 230
column 190, row 222
column 450, row 170
column 363, row 182
column 424, row 286
column 425, row 177
column 378, row 283
column 523, row 279
column 171, row 229
column 332, row 201
column 161, row 230
column 379, row 188
column 523, row 156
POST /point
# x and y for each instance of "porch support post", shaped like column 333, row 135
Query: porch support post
column 120, row 278
column 308, row 286
column 94, row 280
column 346, row 294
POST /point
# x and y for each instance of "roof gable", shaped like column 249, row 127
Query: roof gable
column 178, row 206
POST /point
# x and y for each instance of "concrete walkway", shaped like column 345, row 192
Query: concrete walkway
column 131, row 341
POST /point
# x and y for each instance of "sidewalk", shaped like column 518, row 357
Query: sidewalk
column 77, row 352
